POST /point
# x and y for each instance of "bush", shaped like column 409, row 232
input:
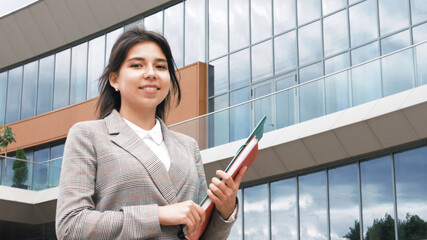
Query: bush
column 20, row 169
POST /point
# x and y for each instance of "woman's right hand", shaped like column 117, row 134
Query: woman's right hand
column 188, row 213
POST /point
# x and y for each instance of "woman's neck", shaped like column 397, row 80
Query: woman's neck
column 142, row 118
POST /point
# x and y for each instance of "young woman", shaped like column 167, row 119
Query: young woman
column 126, row 176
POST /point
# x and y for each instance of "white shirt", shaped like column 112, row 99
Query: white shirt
column 154, row 140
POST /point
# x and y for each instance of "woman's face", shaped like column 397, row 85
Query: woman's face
column 143, row 79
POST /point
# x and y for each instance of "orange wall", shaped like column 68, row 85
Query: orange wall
column 54, row 125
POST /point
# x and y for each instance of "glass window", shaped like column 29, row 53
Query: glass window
column 260, row 20
column 366, row 83
column 133, row 24
column 285, row 102
column 311, row 94
column 337, row 63
column 240, row 71
column 111, row 39
column 419, row 11
column 78, row 73
column 363, row 22
column 29, row 90
column 262, row 61
column 256, row 223
column 411, row 176
column 335, row 33
column 239, row 24
column 285, row 52
column 95, row 65
column 218, row 76
column 395, row 42
column 336, row 92
column 330, row 6
column 365, row 53
column 154, row 22
column 44, row 96
column 174, row 32
column 40, row 171
column 284, row 217
column 3, row 91
column 263, row 106
column 218, row 122
column 419, row 33
column 284, row 15
column 421, row 59
column 56, row 152
column 343, row 201
column 237, row 230
column 377, row 198
column 62, row 79
column 194, row 31
column 308, row 10
column 14, row 95
column 310, row 43
column 397, row 72
column 218, row 28
column 240, row 125
column 394, row 15
column 312, row 206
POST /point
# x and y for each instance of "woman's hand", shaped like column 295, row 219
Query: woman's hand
column 187, row 213
column 223, row 194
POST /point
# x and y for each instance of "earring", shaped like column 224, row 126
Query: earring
column 116, row 89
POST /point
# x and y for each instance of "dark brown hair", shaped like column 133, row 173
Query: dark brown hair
column 109, row 99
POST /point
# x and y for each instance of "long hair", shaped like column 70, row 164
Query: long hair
column 109, row 99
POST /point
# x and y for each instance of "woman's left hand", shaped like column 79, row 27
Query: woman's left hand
column 223, row 194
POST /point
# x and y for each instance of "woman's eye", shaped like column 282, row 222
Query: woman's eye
column 135, row 65
column 161, row 67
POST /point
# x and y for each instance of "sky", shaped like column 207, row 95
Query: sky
column 8, row 6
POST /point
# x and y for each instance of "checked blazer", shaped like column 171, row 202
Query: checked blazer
column 112, row 183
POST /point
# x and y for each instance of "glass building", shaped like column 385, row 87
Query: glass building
column 308, row 65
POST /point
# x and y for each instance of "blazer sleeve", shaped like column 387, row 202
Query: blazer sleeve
column 76, row 215
column 218, row 228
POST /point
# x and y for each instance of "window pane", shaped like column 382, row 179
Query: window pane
column 377, row 198
column 336, row 92
column 308, row 10
column 256, row 212
column 29, row 90
column 56, row 152
column 337, row 63
column 240, row 73
column 194, row 31
column 260, row 20
column 218, row 76
column 154, row 22
column 284, row 15
column 344, row 201
column 421, row 53
column 218, row 122
column 174, row 32
column 395, row 42
column 44, row 96
column 262, row 61
column 366, row 83
column 78, row 73
column 40, row 170
column 240, row 116
column 62, row 79
column 419, row 33
column 218, row 28
column 237, row 230
column 13, row 95
column 239, row 24
column 284, row 209
column 3, row 91
column 312, row 204
column 311, row 95
column 419, row 11
column 285, row 105
column 398, row 72
column 111, row 39
column 263, row 106
column 285, row 52
column 333, row 5
column 363, row 22
column 411, row 176
column 365, row 53
column 394, row 15
column 335, row 33
column 95, row 65
column 310, row 43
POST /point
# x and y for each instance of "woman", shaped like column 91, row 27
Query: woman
column 126, row 176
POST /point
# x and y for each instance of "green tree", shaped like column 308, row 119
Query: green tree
column 381, row 229
column 20, row 169
column 354, row 233
column 412, row 228
column 6, row 137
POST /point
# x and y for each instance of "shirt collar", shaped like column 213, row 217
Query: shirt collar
column 155, row 133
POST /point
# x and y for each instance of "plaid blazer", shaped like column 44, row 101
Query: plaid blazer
column 112, row 183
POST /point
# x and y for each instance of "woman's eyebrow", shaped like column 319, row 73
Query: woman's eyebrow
column 143, row 59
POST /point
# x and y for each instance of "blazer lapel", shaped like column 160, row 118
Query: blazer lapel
column 122, row 135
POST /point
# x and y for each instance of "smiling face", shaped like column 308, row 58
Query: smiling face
column 143, row 79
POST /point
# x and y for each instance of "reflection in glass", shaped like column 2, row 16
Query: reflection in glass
column 174, row 32
column 218, row 76
column 411, row 176
column 336, row 92
column 363, row 22
column 237, row 230
column 262, row 61
column 218, row 28
column 394, row 15
column 56, row 152
column 95, row 65
column 240, row 73
column 335, row 33
column 44, row 96
column 284, row 15
column 395, row 42
column 256, row 222
column 366, row 83
column 332, row 5
column 377, row 198
column 239, row 24
column 285, row 102
column 418, row 10
column 398, row 72
column 111, row 39
column 343, row 200
column 29, row 90
column 3, row 90
column 194, row 31
column 263, row 106
column 284, row 209
column 218, row 122
column 240, row 116
column 260, row 20
column 285, row 52
column 40, row 171
column 310, row 43
column 62, row 79
column 78, row 73
column 154, row 22
column 421, row 59
column 337, row 63
column 13, row 95
column 308, row 10
column 419, row 33
column 365, row 53
column 312, row 206
column 311, row 94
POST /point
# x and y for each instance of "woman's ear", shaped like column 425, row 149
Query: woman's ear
column 112, row 78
